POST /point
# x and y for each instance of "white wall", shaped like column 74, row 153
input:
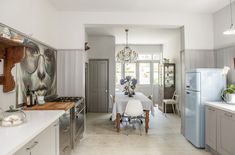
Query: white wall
column 36, row 17
column 171, row 50
column 222, row 23
column 198, row 27
column 30, row 17
column 65, row 30
column 103, row 47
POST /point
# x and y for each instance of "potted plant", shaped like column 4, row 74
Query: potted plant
column 228, row 95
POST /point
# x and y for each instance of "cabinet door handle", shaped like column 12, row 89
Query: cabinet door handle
column 211, row 109
column 187, row 86
column 228, row 115
column 188, row 92
column 66, row 129
column 66, row 148
column 32, row 146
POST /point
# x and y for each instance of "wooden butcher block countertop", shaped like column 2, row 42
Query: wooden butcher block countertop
column 53, row 106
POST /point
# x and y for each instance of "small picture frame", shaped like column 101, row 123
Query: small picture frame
column 234, row 63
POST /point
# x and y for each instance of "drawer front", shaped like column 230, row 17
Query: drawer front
column 226, row 133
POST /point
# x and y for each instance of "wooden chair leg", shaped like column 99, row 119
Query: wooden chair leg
column 146, row 120
column 118, row 122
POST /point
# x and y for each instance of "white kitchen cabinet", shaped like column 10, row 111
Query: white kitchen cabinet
column 225, row 133
column 46, row 143
column 211, row 124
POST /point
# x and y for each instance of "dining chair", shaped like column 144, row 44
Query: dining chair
column 134, row 113
column 150, row 97
column 174, row 101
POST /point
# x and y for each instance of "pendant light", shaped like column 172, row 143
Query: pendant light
column 231, row 30
column 127, row 55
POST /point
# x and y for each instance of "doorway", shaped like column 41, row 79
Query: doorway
column 98, row 86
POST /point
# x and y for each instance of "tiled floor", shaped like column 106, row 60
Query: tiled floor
column 164, row 138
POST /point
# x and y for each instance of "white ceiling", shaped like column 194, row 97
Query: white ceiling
column 137, row 34
column 197, row 6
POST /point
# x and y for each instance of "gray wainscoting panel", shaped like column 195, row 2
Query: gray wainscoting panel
column 199, row 59
column 224, row 57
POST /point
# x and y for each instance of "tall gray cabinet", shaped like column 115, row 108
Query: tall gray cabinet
column 225, row 133
column 220, row 131
column 211, row 127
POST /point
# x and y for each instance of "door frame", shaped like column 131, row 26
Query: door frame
column 86, row 83
column 107, row 60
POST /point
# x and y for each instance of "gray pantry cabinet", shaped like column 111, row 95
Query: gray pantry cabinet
column 226, row 133
column 220, row 131
column 211, row 127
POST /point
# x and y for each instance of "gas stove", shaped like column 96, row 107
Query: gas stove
column 67, row 99
column 77, row 115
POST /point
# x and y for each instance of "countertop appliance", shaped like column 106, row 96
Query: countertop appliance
column 202, row 84
column 76, row 117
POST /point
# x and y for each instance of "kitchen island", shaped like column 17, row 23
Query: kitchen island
column 15, row 138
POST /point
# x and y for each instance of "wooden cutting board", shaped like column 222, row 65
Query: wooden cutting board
column 53, row 106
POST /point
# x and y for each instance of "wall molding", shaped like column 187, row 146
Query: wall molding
column 225, row 47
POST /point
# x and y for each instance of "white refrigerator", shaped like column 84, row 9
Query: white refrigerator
column 202, row 84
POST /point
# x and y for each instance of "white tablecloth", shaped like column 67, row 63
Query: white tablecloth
column 121, row 101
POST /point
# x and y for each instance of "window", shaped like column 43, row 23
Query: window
column 147, row 70
column 144, row 73
column 156, row 57
column 130, row 70
column 155, row 73
column 145, row 57
column 118, row 73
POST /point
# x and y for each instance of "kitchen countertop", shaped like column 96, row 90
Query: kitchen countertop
column 14, row 138
column 222, row 106
column 53, row 106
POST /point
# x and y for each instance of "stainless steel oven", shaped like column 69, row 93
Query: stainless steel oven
column 66, row 130
column 72, row 124
column 79, row 122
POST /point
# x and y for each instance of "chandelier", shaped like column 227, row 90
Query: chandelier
column 127, row 55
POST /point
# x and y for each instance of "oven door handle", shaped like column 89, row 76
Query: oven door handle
column 80, row 111
column 66, row 129
column 66, row 148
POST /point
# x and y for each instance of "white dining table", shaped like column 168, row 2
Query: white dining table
column 121, row 101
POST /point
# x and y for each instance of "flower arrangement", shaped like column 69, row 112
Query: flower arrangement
column 129, row 85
